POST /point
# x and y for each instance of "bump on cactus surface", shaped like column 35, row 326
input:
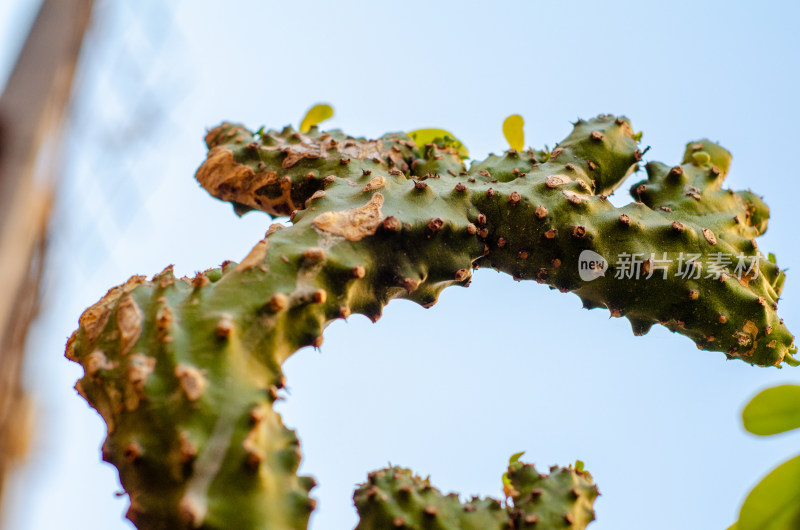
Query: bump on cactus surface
column 185, row 371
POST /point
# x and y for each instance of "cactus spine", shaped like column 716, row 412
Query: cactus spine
column 185, row 371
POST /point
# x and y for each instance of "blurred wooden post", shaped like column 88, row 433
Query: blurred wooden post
column 32, row 111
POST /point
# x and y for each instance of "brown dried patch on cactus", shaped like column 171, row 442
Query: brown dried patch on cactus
column 191, row 380
column 97, row 361
column 129, row 322
column 316, row 195
column 140, row 367
column 375, row 183
column 709, row 235
column 352, row 149
column 354, row 224
column 573, row 197
column 94, row 319
column 751, row 328
column 164, row 318
column 554, row 181
column 225, row 179
column 255, row 257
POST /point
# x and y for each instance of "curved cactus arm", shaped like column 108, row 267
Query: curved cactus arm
column 184, row 371
column 683, row 255
column 188, row 407
column 396, row 498
column 561, row 499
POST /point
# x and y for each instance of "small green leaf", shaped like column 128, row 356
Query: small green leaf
column 774, row 504
column 579, row 466
column 439, row 137
column 515, row 457
column 773, row 411
column 512, row 130
column 772, row 259
column 638, row 136
column 316, row 115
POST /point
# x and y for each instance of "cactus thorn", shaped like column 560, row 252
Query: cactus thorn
column 391, row 224
column 224, row 326
column 278, row 302
column 435, row 224
column 410, row 284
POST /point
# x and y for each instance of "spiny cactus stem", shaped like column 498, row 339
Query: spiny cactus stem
column 185, row 371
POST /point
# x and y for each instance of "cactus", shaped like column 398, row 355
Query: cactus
column 396, row 498
column 185, row 371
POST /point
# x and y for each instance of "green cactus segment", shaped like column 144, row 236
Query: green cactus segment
column 191, row 427
column 562, row 499
column 725, row 301
column 602, row 151
column 396, row 498
column 683, row 255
